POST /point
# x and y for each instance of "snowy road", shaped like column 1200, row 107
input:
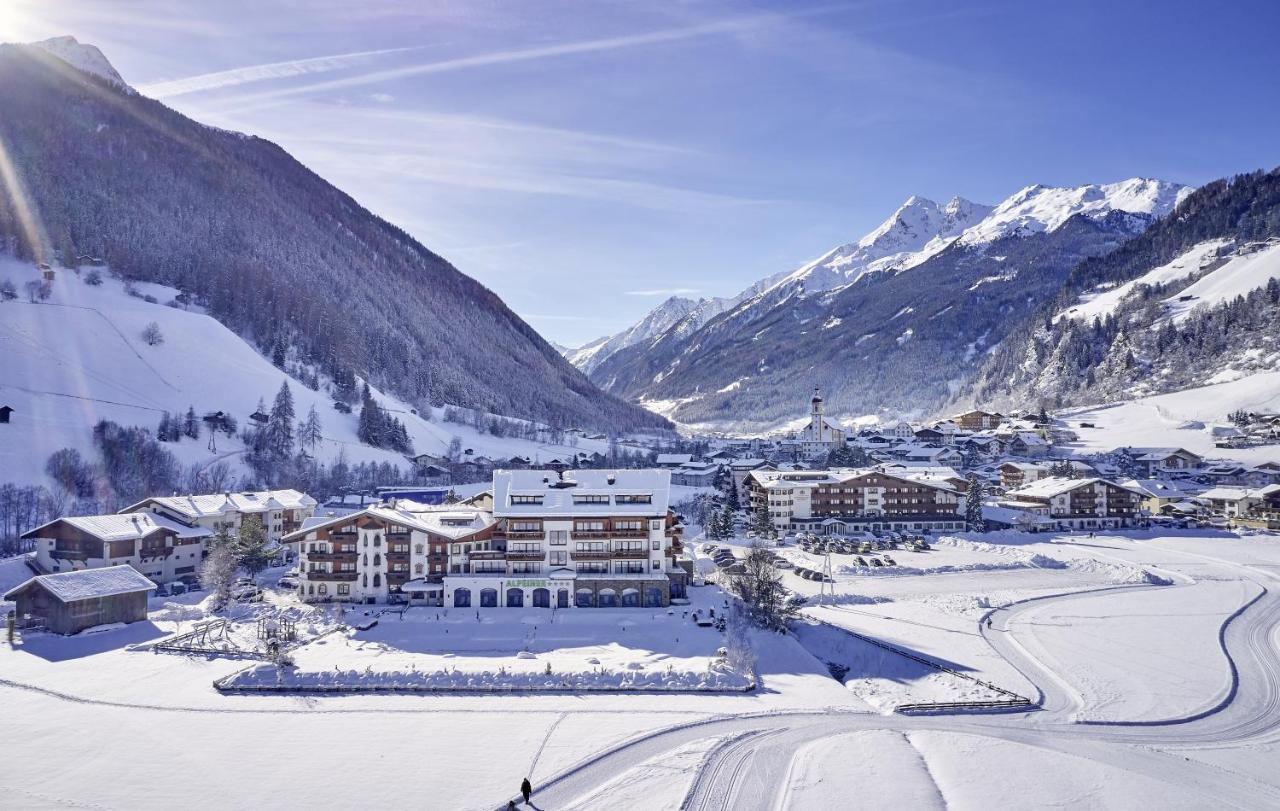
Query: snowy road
column 750, row 770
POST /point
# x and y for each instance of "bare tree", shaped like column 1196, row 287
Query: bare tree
column 152, row 335
column 765, row 601
column 218, row 572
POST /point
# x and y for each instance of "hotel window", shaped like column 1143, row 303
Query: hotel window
column 559, row 537
column 417, row 568
column 526, row 499
column 526, row 568
column 525, row 526
column 628, row 525
column 343, row 588
column 589, row 526
column 559, row 558
column 635, row 499
column 591, row 499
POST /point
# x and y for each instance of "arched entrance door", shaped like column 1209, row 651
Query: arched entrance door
column 541, row 598
column 462, row 598
column 515, row 598
column 584, row 598
column 630, row 598
column 653, row 597
column 488, row 598
column 562, row 598
column 608, row 598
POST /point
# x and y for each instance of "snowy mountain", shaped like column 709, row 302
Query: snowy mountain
column 1193, row 301
column 79, row 356
column 920, row 298
column 657, row 321
column 82, row 57
column 268, row 248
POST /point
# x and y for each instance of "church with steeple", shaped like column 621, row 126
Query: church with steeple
column 820, row 436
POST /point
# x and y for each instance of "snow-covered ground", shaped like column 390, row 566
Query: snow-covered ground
column 79, row 357
column 1170, row 420
column 1079, row 623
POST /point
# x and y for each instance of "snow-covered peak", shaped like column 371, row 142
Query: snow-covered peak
column 655, row 322
column 919, row 225
column 82, row 57
column 1041, row 208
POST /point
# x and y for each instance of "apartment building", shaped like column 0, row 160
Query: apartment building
column 845, row 500
column 395, row 551
column 582, row 538
column 158, row 547
column 1078, row 503
column 281, row 511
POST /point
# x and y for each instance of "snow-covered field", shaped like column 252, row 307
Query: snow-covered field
column 1114, row 628
column 79, row 357
column 1180, row 419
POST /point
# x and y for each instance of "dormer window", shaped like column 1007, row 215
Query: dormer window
column 591, row 499
column 515, row 499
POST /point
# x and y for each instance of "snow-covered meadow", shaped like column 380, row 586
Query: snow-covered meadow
column 1128, row 627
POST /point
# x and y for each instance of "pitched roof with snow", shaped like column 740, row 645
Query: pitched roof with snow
column 1055, row 486
column 448, row 520
column 195, row 507
column 84, row 584
column 122, row 527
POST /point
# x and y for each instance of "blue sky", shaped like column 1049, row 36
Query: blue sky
column 585, row 160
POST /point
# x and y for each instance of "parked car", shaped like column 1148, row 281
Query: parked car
column 862, row 561
column 876, row 562
column 782, row 563
column 191, row 582
column 246, row 594
column 287, row 582
column 890, row 561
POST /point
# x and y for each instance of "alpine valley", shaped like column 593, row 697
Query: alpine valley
column 967, row 304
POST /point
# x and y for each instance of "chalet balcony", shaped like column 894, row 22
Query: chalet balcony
column 629, row 554
column 600, row 554
column 330, row 557
column 630, row 533
column 480, row 554
column 348, row 577
column 526, row 555
column 522, row 533
column 68, row 554
column 591, row 534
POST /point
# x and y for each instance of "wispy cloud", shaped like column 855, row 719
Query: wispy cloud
column 264, row 72
column 665, row 291
column 734, row 25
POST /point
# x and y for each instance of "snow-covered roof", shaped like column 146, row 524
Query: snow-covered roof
column 1234, row 493
column 1055, row 486
column 563, row 496
column 215, row 504
column 123, row 527
column 788, row 480
column 84, row 584
column 1164, row 488
column 674, row 458
column 448, row 520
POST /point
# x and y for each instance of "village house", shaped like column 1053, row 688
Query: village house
column 978, row 420
column 670, row 461
column 695, row 474
column 1016, row 474
column 844, row 500
column 1238, row 502
column 1078, row 503
column 281, row 511
column 156, row 546
column 70, row 602
column 1150, row 463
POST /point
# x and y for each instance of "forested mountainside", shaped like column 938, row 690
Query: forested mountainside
column 268, row 247
column 1192, row 300
column 894, row 323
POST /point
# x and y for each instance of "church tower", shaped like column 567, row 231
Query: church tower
column 817, row 424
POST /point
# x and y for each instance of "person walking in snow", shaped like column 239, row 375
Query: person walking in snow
column 526, row 788
column 988, row 622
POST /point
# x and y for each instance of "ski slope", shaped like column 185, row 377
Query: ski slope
column 1241, row 275
column 79, row 357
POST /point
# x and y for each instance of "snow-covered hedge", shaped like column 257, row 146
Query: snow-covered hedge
column 267, row 677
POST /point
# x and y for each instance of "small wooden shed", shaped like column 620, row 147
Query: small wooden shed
column 69, row 602
column 5, row 412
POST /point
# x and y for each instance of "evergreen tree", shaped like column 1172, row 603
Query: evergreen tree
column 191, row 425
column 761, row 522
column 973, row 504
column 250, row 547
column 310, row 431
column 218, row 570
column 280, row 424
